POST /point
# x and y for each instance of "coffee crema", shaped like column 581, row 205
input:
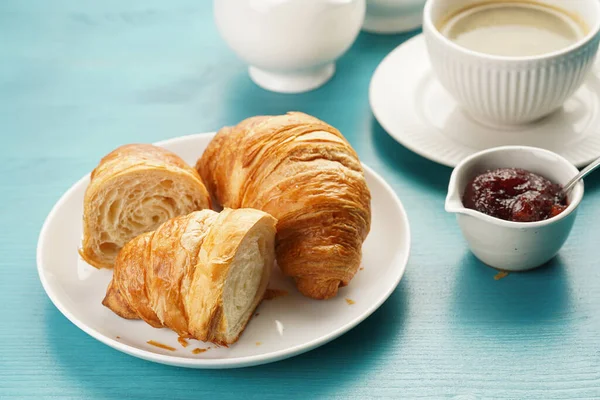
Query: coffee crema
column 513, row 28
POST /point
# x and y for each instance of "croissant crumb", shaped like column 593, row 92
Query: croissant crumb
column 271, row 294
column 198, row 350
column 184, row 343
column 162, row 346
column 350, row 301
column 500, row 275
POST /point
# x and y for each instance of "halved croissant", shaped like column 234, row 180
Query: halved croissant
column 133, row 190
column 303, row 172
column 202, row 274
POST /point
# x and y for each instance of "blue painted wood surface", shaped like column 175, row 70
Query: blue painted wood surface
column 80, row 78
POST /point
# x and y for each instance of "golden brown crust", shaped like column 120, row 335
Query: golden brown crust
column 115, row 301
column 131, row 278
column 175, row 276
column 137, row 154
column 134, row 189
column 174, row 254
column 303, row 172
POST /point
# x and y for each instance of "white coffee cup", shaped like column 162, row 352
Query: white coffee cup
column 500, row 90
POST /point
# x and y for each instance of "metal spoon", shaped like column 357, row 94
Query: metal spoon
column 584, row 172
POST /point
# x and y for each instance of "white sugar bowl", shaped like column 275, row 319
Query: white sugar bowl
column 393, row 16
column 290, row 45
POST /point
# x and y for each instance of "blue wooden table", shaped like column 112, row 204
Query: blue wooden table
column 80, row 78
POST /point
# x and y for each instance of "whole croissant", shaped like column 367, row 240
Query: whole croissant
column 201, row 275
column 133, row 190
column 303, row 172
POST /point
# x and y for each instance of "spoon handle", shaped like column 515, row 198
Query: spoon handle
column 584, row 172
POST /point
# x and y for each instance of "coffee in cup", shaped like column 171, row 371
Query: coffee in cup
column 513, row 28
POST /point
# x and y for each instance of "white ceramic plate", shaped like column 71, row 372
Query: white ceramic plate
column 412, row 106
column 285, row 326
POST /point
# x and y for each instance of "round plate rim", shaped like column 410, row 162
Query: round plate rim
column 239, row 362
column 432, row 156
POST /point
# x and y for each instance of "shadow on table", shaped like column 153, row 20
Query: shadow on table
column 97, row 370
column 243, row 98
column 371, row 42
column 535, row 297
column 592, row 182
column 410, row 165
column 349, row 357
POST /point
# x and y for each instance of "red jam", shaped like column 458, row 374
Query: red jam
column 515, row 195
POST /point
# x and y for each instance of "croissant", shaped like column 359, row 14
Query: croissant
column 201, row 275
column 133, row 190
column 303, row 172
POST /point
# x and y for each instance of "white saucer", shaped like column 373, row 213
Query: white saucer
column 412, row 106
column 285, row 326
